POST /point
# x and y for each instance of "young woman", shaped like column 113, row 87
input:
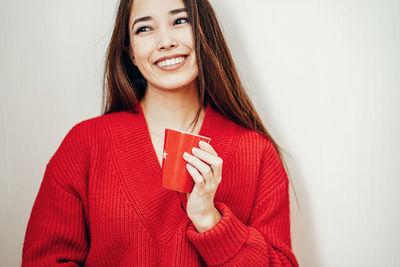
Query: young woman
column 101, row 202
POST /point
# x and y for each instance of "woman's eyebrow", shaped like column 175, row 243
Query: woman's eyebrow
column 147, row 18
column 176, row 11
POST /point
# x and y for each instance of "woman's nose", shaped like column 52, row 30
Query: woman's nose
column 166, row 40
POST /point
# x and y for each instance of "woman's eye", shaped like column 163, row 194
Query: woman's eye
column 146, row 28
column 181, row 20
column 142, row 29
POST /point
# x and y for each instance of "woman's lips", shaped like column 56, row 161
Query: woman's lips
column 172, row 63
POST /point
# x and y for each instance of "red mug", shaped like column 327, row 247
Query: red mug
column 174, row 173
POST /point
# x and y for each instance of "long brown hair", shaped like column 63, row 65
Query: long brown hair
column 218, row 81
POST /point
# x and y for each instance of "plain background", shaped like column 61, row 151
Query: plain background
column 323, row 75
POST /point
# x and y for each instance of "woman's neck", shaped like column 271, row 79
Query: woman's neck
column 171, row 108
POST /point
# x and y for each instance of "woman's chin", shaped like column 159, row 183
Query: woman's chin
column 176, row 85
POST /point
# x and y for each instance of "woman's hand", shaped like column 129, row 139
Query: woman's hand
column 205, row 167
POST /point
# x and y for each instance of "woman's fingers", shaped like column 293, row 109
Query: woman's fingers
column 212, row 160
column 197, row 177
column 207, row 147
column 201, row 167
column 204, row 163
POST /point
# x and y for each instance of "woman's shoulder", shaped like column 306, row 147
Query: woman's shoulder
column 224, row 125
column 94, row 130
column 244, row 140
column 98, row 124
column 98, row 120
column 252, row 139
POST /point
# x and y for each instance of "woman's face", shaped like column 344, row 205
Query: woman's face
column 162, row 43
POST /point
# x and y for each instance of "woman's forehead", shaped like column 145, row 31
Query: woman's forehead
column 142, row 8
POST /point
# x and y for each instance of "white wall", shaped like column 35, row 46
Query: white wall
column 51, row 74
column 324, row 76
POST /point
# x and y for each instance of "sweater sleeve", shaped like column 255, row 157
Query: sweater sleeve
column 265, row 239
column 56, row 234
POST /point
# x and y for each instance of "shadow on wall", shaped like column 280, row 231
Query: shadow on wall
column 302, row 226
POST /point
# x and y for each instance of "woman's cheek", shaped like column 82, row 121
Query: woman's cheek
column 186, row 37
column 143, row 47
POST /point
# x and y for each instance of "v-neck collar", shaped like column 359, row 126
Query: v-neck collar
column 147, row 130
column 138, row 171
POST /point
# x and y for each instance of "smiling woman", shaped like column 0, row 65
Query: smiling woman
column 101, row 202
column 162, row 45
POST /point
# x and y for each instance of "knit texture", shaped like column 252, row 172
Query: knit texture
column 101, row 202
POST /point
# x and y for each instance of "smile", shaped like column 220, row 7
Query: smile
column 172, row 64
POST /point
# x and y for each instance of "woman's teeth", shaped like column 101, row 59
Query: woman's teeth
column 171, row 61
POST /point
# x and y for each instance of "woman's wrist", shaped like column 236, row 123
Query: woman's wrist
column 207, row 221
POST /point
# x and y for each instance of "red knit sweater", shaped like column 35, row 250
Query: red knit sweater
column 101, row 202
